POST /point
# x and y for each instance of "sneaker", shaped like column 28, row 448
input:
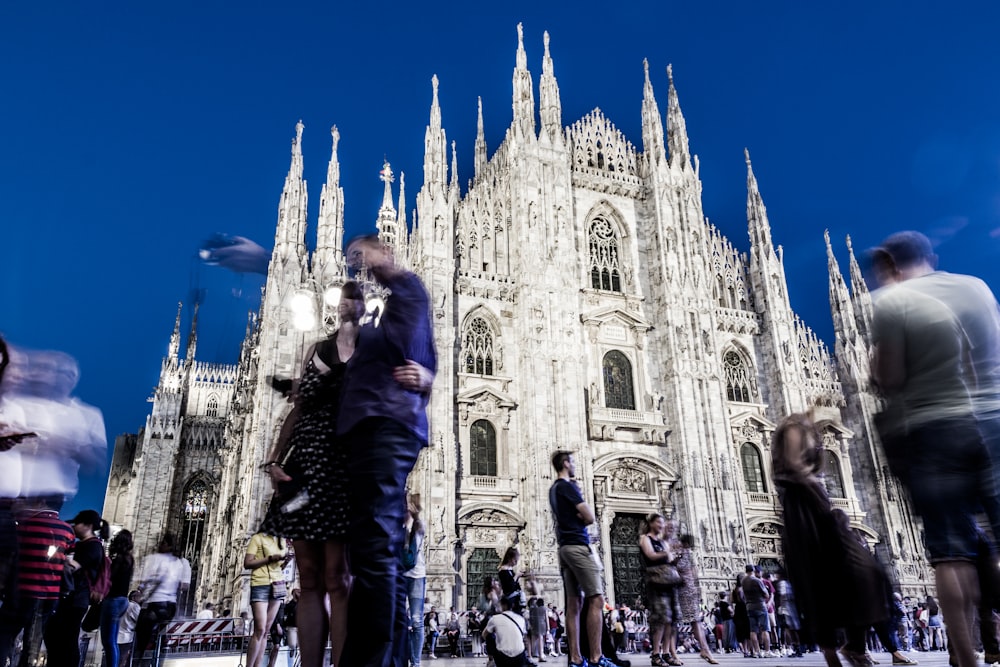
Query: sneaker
column 603, row 662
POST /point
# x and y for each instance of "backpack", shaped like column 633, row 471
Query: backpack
column 100, row 585
column 410, row 552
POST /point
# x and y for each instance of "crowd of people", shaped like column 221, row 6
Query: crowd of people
column 356, row 424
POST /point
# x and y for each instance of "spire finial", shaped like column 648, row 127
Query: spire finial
column 386, row 174
column 850, row 248
column 434, row 87
column 298, row 132
column 746, row 156
column 336, row 137
column 545, row 41
column 670, row 73
column 826, row 238
column 479, row 120
column 522, row 57
column 645, row 68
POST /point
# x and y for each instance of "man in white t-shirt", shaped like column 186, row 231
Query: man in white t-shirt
column 161, row 578
column 507, row 630
column 207, row 612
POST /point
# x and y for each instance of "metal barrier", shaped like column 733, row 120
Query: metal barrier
column 215, row 642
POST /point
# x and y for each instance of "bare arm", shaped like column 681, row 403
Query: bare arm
column 585, row 513
column 646, row 547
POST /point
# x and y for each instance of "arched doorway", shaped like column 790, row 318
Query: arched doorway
column 482, row 563
column 626, row 560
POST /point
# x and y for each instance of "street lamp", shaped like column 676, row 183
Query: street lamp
column 313, row 307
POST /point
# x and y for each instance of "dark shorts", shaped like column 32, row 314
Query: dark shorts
column 950, row 480
column 759, row 621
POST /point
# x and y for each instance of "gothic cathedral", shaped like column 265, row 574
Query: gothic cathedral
column 581, row 301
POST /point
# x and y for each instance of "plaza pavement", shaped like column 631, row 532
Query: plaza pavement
column 926, row 659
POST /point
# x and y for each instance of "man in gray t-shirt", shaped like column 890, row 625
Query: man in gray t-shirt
column 923, row 360
column 756, row 596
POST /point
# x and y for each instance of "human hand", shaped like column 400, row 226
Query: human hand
column 277, row 476
column 413, row 376
column 10, row 441
column 236, row 253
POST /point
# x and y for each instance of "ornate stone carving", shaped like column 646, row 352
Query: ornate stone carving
column 628, row 479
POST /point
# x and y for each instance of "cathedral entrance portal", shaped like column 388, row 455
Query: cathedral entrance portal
column 482, row 563
column 626, row 560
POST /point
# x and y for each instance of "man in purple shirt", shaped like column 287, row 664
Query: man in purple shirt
column 383, row 420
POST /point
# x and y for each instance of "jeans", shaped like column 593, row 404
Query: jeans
column 383, row 452
column 112, row 610
column 415, row 589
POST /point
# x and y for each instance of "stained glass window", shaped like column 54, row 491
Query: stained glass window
column 753, row 471
column 618, row 391
column 605, row 261
column 482, row 449
column 477, row 353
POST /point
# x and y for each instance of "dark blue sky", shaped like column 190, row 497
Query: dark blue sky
column 130, row 131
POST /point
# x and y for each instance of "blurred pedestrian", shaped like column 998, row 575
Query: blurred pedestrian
column 84, row 562
column 116, row 603
column 159, row 580
column 265, row 557
column 308, row 468
column 929, row 428
column 43, row 541
column 583, row 575
column 838, row 584
column 383, row 419
column 415, row 575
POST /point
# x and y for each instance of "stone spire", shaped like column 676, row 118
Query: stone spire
column 386, row 223
column 192, row 343
column 840, row 298
column 863, row 311
column 290, row 237
column 174, row 348
column 454, row 189
column 401, row 230
column 550, row 108
column 677, row 138
column 757, row 222
column 652, row 123
column 435, row 147
column 524, row 96
column 480, row 142
column 328, row 257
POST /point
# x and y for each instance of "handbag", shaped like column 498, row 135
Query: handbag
column 279, row 590
column 663, row 574
column 92, row 620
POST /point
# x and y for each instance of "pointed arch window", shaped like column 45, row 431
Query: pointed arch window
column 195, row 517
column 618, row 389
column 833, row 479
column 213, row 407
column 605, row 256
column 478, row 350
column 753, row 469
column 482, row 449
column 739, row 380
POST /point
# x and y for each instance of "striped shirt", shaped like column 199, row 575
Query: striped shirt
column 42, row 540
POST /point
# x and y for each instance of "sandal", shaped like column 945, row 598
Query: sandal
column 709, row 659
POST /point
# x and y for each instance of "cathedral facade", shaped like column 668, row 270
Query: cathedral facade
column 581, row 301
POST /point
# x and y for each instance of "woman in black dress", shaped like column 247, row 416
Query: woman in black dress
column 838, row 584
column 309, row 473
column 116, row 602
